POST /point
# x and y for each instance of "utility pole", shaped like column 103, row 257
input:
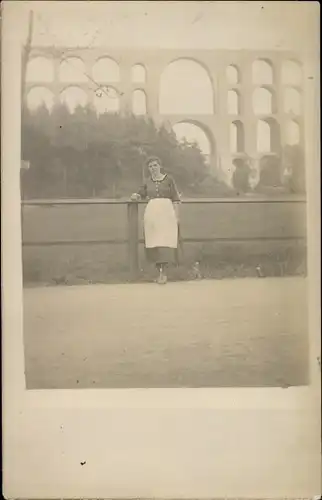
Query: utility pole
column 25, row 56
column 24, row 62
column 24, row 165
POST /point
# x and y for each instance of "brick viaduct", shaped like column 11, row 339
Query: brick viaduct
column 217, row 122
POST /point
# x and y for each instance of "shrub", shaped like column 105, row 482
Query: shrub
column 81, row 154
column 241, row 175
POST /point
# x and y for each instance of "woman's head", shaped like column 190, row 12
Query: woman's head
column 154, row 166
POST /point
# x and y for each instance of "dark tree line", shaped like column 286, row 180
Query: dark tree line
column 84, row 155
column 81, row 154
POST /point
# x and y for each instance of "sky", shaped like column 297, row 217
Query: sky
column 211, row 25
column 232, row 25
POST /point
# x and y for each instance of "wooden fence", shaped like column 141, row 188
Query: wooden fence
column 133, row 239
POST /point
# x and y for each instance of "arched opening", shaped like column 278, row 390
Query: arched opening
column 233, row 103
column 139, row 102
column 73, row 97
column 293, row 133
column 292, row 101
column 262, row 72
column 40, row 69
column 106, row 100
column 106, row 69
column 138, row 73
column 232, row 75
column 72, row 70
column 195, row 134
column 263, row 101
column 40, row 96
column 185, row 88
column 268, row 136
column 237, row 137
column 291, row 73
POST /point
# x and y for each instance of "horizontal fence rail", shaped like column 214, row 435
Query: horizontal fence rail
column 122, row 241
column 104, row 201
column 133, row 240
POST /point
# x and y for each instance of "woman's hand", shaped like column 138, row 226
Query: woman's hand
column 176, row 210
column 135, row 197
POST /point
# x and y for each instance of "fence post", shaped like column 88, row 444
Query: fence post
column 133, row 238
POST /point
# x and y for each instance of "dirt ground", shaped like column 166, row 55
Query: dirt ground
column 247, row 332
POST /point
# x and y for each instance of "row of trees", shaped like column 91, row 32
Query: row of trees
column 286, row 172
column 81, row 154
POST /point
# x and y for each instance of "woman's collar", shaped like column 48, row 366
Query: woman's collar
column 159, row 180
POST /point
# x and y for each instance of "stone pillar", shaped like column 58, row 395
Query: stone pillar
column 214, row 157
column 279, row 102
column 222, row 129
column 248, row 117
column 301, row 123
column 90, row 87
column 153, row 91
column 56, row 81
column 278, row 88
column 215, row 78
column 285, row 118
column 212, row 133
column 222, row 93
column 125, row 88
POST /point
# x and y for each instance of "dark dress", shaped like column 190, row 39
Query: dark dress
column 164, row 189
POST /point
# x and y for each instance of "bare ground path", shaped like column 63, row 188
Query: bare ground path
column 229, row 333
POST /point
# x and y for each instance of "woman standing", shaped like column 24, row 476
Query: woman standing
column 160, row 216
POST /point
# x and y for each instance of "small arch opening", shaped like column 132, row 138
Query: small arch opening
column 138, row 73
column 291, row 73
column 139, row 105
column 263, row 101
column 232, row 75
column 72, row 70
column 40, row 69
column 293, row 133
column 268, row 136
column 40, row 96
column 233, row 102
column 237, row 137
column 106, row 69
column 262, row 72
column 292, row 101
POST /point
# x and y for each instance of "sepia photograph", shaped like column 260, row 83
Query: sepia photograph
column 163, row 206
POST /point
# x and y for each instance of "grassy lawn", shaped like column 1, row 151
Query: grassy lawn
column 230, row 333
column 108, row 263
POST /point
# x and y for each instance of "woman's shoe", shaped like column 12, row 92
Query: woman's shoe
column 162, row 279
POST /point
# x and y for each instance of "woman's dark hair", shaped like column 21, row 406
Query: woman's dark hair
column 153, row 158
column 146, row 172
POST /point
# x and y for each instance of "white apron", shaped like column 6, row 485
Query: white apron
column 160, row 224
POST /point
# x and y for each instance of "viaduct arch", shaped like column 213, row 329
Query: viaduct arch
column 249, row 92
